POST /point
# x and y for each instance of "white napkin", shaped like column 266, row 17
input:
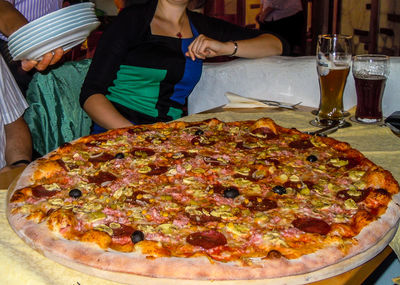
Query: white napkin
column 237, row 101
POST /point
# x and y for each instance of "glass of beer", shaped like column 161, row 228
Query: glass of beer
column 333, row 66
column 370, row 72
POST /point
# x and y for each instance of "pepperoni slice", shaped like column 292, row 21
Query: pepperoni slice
column 101, row 177
column 62, row 164
column 252, row 176
column 309, row 184
column 142, row 152
column 312, row 225
column 218, row 188
column 240, row 145
column 122, row 231
column 260, row 204
column 202, row 219
column 346, row 194
column 352, row 161
column 182, row 154
column 134, row 131
column 238, row 175
column 301, row 144
column 95, row 143
column 40, row 192
column 248, row 142
column 202, row 141
column 212, row 161
column 293, row 185
column 157, row 170
column 102, row 158
column 265, row 132
column 153, row 138
column 207, row 239
column 136, row 197
column 273, row 161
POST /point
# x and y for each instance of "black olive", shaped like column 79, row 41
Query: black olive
column 75, row 193
column 199, row 132
column 119, row 155
column 231, row 192
column 137, row 236
column 312, row 158
column 279, row 190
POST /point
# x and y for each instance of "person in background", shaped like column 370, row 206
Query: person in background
column 15, row 138
column 150, row 58
column 284, row 18
column 15, row 14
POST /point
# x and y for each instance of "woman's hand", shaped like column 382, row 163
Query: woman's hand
column 204, row 47
column 263, row 45
column 49, row 58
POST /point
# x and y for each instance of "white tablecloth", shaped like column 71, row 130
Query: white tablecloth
column 285, row 79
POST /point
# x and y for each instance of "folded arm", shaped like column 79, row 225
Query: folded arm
column 260, row 46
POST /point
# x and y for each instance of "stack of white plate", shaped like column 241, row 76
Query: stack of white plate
column 64, row 28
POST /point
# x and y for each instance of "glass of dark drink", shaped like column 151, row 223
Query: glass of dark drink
column 334, row 54
column 370, row 72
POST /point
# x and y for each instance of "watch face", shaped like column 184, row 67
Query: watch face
column 393, row 122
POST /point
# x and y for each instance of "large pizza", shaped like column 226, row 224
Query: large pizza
column 206, row 200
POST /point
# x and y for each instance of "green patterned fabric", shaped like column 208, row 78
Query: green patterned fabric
column 55, row 116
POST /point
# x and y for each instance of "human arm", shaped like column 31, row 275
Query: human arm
column 269, row 6
column 10, row 21
column 260, row 46
column 102, row 111
column 111, row 51
column 18, row 143
column 264, row 12
column 102, row 71
column 226, row 32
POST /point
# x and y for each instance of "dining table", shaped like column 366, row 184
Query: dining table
column 20, row 264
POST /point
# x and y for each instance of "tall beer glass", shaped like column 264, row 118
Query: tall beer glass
column 370, row 72
column 333, row 66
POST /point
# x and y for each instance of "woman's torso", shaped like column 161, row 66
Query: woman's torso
column 154, row 79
